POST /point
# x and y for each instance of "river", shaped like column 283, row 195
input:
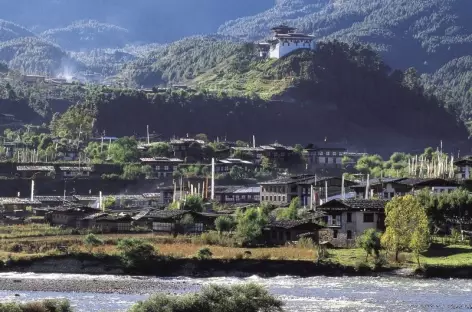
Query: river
column 299, row 294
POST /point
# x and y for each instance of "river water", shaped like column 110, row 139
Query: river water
column 299, row 294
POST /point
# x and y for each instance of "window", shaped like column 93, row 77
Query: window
column 166, row 168
column 349, row 217
column 162, row 227
column 328, row 153
column 270, row 198
column 158, row 167
column 283, row 198
column 368, row 218
column 386, row 195
column 349, row 235
column 335, row 234
column 320, row 153
column 279, row 198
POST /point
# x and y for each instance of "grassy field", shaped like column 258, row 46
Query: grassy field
column 20, row 242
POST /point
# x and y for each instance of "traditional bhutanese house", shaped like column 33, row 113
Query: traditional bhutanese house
column 152, row 199
column 463, row 168
column 75, row 171
column 87, row 201
column 278, row 154
column 69, row 215
column 11, row 220
column 384, row 188
column 285, row 40
column 114, row 224
column 282, row 232
column 324, row 156
column 225, row 165
column 162, row 167
column 281, row 191
column 187, row 149
column 350, row 218
column 435, row 185
column 30, row 171
column 180, row 221
column 232, row 194
column 88, row 222
column 253, row 153
column 11, row 204
column 130, row 201
column 53, row 201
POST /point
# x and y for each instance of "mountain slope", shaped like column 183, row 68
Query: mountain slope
column 9, row 31
column 422, row 33
column 32, row 55
column 88, row 35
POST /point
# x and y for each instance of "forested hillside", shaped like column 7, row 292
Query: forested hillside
column 9, row 31
column 88, row 35
column 32, row 55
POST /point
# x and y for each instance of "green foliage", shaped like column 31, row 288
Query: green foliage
column 48, row 305
column 136, row 254
column 290, row 213
column 193, row 203
column 250, row 224
column 109, row 202
column 204, row 254
column 91, row 241
column 133, row 172
column 160, row 149
column 77, row 122
column 224, row 224
column 237, row 173
column 237, row 298
column 370, row 242
column 406, row 226
column 124, row 150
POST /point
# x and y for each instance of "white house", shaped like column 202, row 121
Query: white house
column 285, row 40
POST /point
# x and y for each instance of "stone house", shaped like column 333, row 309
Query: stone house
column 11, row 204
column 68, row 216
column 348, row 219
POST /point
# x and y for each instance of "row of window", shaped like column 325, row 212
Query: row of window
column 165, row 168
column 336, row 220
column 273, row 198
column 274, row 189
column 329, row 153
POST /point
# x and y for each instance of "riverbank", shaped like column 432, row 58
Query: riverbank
column 111, row 266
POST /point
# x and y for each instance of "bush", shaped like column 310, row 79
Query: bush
column 224, row 224
column 204, row 254
column 50, row 305
column 91, row 241
column 370, row 242
column 137, row 255
column 247, row 298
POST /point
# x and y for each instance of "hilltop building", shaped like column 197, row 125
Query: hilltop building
column 284, row 41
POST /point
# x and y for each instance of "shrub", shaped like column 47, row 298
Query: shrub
column 247, row 298
column 224, row 224
column 204, row 254
column 91, row 241
column 370, row 242
column 50, row 305
column 136, row 254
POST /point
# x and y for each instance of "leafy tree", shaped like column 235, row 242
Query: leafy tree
column 370, row 242
column 109, row 202
column 290, row 213
column 124, row 150
column 132, row 172
column 91, row 241
column 77, row 122
column 237, row 173
column 267, row 165
column 224, row 224
column 370, row 164
column 240, row 143
column 250, row 224
column 236, row 298
column 407, row 225
column 193, row 203
column 147, row 171
column 160, row 149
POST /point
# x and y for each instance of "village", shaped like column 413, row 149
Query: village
column 185, row 193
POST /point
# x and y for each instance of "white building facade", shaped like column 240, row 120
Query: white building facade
column 285, row 40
